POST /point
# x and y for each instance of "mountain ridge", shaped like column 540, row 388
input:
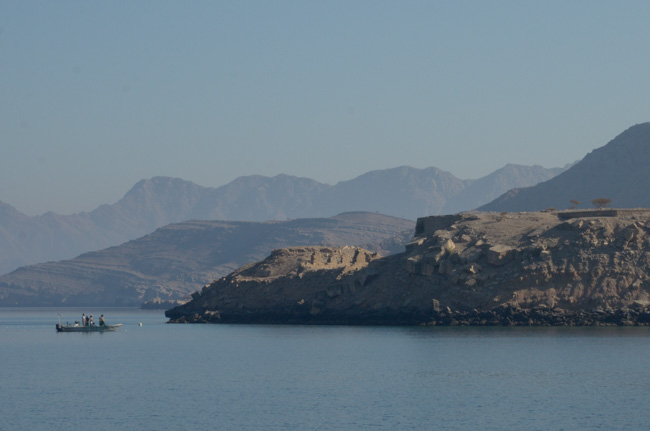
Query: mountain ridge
column 617, row 171
column 177, row 259
column 152, row 203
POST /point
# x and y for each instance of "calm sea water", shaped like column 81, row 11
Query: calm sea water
column 204, row 377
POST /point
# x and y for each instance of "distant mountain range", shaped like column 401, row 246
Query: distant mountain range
column 619, row 171
column 401, row 192
column 178, row 259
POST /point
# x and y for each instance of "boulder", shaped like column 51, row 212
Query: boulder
column 499, row 255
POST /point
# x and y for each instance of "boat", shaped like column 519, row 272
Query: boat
column 80, row 328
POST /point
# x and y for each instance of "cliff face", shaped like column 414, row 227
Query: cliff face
column 292, row 285
column 544, row 268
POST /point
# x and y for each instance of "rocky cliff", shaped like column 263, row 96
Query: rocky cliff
column 543, row 268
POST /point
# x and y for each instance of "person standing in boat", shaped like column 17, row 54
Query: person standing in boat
column 92, row 322
column 83, row 319
column 101, row 320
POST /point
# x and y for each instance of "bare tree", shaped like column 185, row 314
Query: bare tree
column 574, row 204
column 601, row 202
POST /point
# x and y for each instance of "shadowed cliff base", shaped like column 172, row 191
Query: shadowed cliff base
column 543, row 268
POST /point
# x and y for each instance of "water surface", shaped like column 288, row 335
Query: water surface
column 250, row 377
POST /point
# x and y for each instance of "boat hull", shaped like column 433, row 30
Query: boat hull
column 70, row 328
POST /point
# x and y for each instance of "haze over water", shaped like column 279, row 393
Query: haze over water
column 251, row 377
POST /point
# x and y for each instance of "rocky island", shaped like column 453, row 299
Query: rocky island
column 589, row 267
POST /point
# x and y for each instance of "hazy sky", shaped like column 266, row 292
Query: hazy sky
column 96, row 95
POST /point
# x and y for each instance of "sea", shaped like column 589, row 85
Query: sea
column 151, row 375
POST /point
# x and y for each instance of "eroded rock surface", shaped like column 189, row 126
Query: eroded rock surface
column 541, row 268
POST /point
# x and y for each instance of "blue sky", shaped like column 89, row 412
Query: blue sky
column 96, row 95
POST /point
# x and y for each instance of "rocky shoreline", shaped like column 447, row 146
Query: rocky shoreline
column 580, row 268
column 543, row 316
column 502, row 316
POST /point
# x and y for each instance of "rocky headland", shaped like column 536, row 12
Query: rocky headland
column 588, row 267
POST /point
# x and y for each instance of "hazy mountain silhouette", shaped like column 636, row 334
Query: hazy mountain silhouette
column 491, row 186
column 619, row 171
column 401, row 192
column 180, row 258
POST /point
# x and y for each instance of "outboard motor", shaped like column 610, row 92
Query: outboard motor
column 59, row 327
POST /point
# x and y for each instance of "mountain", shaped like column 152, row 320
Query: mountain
column 492, row 186
column 619, row 171
column 401, row 192
column 32, row 239
column 259, row 198
column 587, row 267
column 178, row 259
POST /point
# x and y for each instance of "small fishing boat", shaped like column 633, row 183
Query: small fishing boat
column 90, row 328
column 77, row 327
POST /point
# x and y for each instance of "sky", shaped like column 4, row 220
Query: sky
column 97, row 95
